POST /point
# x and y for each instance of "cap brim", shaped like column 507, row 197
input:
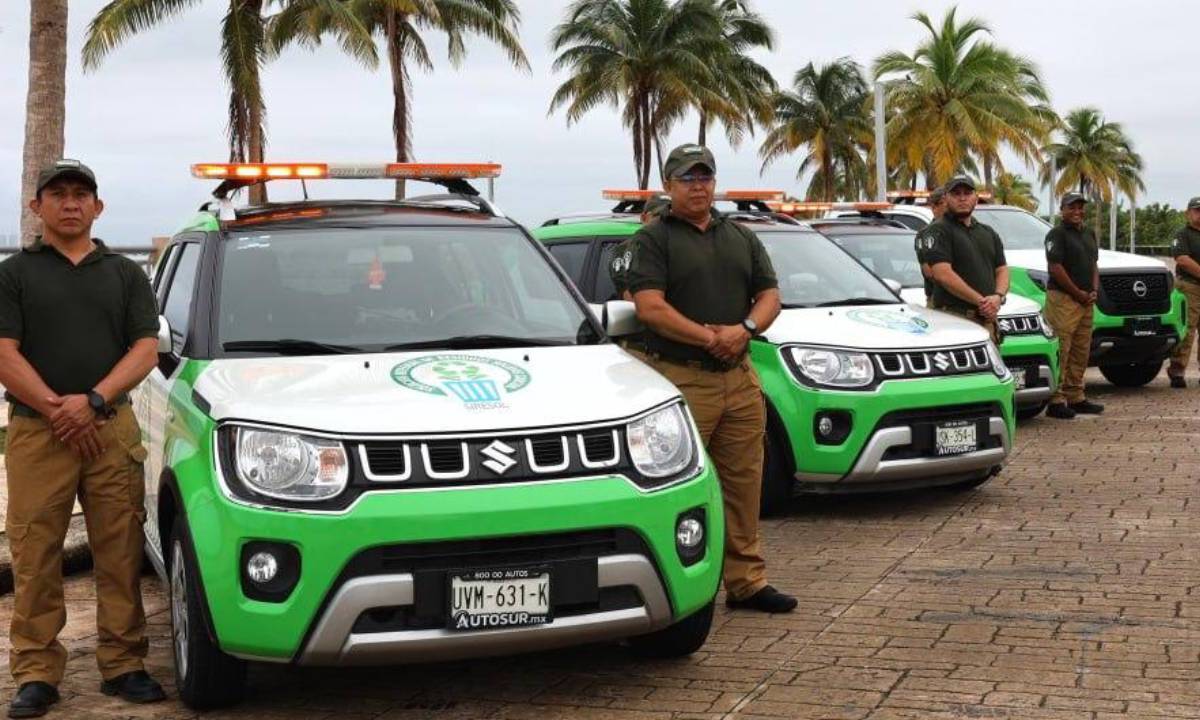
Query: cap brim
column 68, row 174
column 686, row 168
column 959, row 184
column 1072, row 201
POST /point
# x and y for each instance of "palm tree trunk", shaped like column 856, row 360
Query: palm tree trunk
column 658, row 156
column 702, row 136
column 638, row 137
column 827, row 169
column 987, row 172
column 401, row 122
column 45, row 103
column 258, row 193
column 649, row 130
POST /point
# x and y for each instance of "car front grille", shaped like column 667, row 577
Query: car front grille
column 932, row 363
column 1021, row 325
column 500, row 459
column 1135, row 293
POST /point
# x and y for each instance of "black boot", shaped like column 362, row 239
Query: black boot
column 1177, row 381
column 1060, row 411
column 767, row 600
column 136, row 687
column 1087, row 407
column 33, row 699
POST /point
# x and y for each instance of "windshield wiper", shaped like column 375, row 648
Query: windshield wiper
column 857, row 301
column 476, row 342
column 290, row 346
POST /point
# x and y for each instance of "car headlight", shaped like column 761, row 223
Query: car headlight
column 1046, row 329
column 1041, row 278
column 998, row 365
column 289, row 466
column 661, row 444
column 833, row 368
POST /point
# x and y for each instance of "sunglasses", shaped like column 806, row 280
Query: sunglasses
column 695, row 178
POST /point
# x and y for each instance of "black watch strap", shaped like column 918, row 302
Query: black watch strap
column 96, row 401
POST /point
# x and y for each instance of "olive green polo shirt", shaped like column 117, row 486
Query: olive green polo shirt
column 974, row 252
column 1074, row 248
column 710, row 276
column 1186, row 242
column 74, row 322
column 919, row 243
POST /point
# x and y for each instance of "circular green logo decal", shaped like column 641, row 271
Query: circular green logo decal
column 479, row 382
column 892, row 320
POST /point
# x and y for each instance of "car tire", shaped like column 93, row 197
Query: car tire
column 205, row 677
column 1028, row 413
column 682, row 638
column 778, row 481
column 1131, row 375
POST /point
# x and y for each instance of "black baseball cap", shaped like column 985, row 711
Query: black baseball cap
column 937, row 195
column 1194, row 204
column 1071, row 198
column 66, row 169
column 959, row 181
column 686, row 157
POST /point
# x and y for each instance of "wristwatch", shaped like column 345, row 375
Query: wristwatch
column 96, row 402
column 1003, row 297
column 751, row 326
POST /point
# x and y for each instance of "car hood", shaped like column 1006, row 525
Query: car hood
column 1015, row 305
column 434, row 391
column 1107, row 260
column 874, row 327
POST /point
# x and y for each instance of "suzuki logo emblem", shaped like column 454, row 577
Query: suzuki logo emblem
column 1140, row 289
column 942, row 361
column 499, row 457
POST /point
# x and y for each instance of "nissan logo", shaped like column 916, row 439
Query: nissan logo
column 1139, row 288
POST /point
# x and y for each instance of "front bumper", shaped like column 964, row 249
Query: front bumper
column 322, row 621
column 874, row 454
column 1033, row 360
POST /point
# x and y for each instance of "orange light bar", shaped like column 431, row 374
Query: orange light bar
column 256, row 171
column 862, row 206
column 630, row 194
column 917, row 194
column 443, row 171
column 764, row 195
column 790, row 208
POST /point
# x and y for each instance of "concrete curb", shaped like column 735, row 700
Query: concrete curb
column 77, row 556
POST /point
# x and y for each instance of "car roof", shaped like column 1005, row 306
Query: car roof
column 603, row 227
column 861, row 228
column 342, row 213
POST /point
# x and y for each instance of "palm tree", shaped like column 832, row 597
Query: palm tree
column 1096, row 157
column 1014, row 190
column 45, row 102
column 745, row 89
column 958, row 95
column 243, row 53
column 825, row 111
column 399, row 23
column 650, row 58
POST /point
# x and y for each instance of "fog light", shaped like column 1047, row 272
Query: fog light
column 262, row 567
column 825, row 426
column 689, row 533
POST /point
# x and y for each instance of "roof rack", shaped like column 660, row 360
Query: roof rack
column 452, row 176
column 582, row 217
column 860, row 220
column 911, row 197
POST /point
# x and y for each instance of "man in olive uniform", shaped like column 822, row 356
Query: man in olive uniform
column 966, row 257
column 78, row 329
column 1071, row 257
column 704, row 286
column 1185, row 247
column 937, row 206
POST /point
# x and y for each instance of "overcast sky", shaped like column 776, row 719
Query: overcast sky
column 159, row 102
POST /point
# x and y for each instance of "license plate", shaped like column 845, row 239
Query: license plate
column 1019, row 379
column 489, row 599
column 956, row 438
column 1143, row 327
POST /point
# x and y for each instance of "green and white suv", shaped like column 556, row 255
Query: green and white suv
column 864, row 392
column 388, row 432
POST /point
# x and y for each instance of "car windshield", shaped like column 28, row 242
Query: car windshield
column 813, row 272
column 888, row 255
column 370, row 289
column 1018, row 229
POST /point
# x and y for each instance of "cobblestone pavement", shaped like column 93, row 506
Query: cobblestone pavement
column 1065, row 588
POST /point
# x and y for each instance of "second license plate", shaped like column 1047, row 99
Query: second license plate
column 956, row 438
column 487, row 599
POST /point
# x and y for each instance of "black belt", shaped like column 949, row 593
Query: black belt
column 20, row 409
column 709, row 365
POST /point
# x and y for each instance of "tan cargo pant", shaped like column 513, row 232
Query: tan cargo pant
column 1073, row 324
column 732, row 418
column 1179, row 356
column 972, row 315
column 44, row 478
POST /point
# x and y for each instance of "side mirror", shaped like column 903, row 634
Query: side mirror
column 893, row 285
column 620, row 318
column 164, row 336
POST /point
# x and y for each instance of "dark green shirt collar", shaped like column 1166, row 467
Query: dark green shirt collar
column 717, row 218
column 94, row 256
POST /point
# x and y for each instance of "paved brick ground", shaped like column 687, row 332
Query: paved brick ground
column 1069, row 587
